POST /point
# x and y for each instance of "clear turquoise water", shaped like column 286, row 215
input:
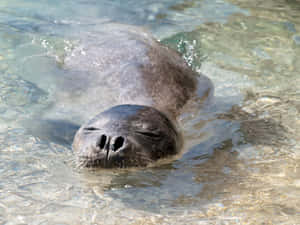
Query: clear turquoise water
column 241, row 164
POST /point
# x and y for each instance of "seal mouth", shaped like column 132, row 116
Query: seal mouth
column 94, row 162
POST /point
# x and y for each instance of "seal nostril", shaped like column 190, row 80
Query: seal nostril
column 102, row 141
column 118, row 143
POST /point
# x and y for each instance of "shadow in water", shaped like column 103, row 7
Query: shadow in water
column 255, row 129
column 57, row 131
column 192, row 181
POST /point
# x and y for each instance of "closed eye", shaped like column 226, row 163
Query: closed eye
column 149, row 134
column 91, row 128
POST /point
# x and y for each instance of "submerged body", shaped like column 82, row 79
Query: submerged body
column 139, row 85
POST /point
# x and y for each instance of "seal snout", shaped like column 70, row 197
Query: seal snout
column 109, row 149
column 108, row 143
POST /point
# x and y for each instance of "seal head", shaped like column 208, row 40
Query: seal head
column 126, row 136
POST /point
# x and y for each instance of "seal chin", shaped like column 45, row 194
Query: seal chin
column 125, row 136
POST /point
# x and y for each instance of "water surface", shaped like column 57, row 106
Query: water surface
column 241, row 160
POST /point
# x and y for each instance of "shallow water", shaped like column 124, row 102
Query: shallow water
column 242, row 153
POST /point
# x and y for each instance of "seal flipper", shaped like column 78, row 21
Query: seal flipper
column 59, row 131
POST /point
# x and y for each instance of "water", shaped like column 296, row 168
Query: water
column 241, row 164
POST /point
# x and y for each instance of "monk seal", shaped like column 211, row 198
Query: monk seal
column 129, row 89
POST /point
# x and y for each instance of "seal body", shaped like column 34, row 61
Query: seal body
column 139, row 85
